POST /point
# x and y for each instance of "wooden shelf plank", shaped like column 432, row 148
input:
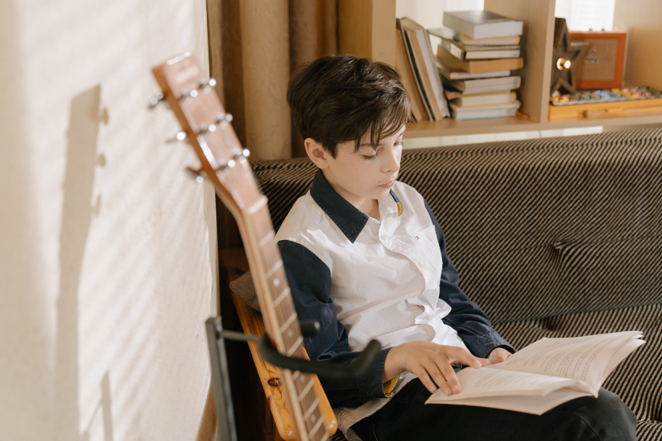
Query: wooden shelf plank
column 649, row 118
column 536, row 43
column 641, row 20
column 451, row 127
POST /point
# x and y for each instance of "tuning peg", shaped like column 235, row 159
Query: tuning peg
column 206, row 84
column 155, row 100
column 196, row 174
column 223, row 118
column 231, row 163
column 179, row 136
column 206, row 129
column 185, row 94
column 245, row 153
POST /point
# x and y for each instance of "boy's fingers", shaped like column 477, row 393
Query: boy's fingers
column 449, row 374
column 499, row 356
column 440, row 379
column 428, row 383
column 463, row 356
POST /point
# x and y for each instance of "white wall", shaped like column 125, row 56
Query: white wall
column 107, row 250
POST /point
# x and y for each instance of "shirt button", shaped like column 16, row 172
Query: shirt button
column 421, row 264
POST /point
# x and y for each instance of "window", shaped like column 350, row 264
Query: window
column 584, row 15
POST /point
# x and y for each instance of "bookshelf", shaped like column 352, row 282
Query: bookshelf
column 366, row 30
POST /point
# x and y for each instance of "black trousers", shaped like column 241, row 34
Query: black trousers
column 406, row 417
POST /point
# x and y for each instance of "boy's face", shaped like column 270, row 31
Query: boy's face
column 367, row 174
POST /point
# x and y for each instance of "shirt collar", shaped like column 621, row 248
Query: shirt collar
column 349, row 219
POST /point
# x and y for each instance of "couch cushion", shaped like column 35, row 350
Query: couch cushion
column 637, row 379
column 536, row 228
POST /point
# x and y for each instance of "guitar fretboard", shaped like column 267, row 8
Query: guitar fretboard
column 281, row 319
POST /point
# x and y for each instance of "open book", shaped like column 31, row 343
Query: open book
column 545, row 374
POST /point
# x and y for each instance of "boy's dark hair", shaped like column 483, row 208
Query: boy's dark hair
column 338, row 98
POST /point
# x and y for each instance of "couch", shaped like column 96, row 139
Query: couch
column 553, row 237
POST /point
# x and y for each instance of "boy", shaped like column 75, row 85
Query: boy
column 366, row 258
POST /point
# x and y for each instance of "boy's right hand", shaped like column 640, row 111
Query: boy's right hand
column 431, row 363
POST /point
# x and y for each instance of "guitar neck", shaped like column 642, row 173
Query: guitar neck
column 280, row 317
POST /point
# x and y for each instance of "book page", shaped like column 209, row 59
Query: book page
column 494, row 382
column 581, row 358
column 536, row 405
column 619, row 355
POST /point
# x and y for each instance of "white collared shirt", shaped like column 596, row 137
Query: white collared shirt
column 385, row 282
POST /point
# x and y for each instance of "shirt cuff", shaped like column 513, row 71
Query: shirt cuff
column 371, row 386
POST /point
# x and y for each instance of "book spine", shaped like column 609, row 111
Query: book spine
column 485, row 55
column 435, row 79
column 404, row 68
column 420, row 81
column 453, row 49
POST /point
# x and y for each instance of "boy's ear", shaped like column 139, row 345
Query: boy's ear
column 316, row 153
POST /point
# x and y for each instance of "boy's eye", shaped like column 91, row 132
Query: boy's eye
column 372, row 156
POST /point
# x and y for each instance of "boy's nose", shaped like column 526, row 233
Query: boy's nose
column 393, row 162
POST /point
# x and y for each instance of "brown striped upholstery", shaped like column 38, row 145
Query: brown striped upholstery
column 552, row 237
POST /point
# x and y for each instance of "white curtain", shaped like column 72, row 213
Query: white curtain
column 430, row 13
column 584, row 15
column 581, row 15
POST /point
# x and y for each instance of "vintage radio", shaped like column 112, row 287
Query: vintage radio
column 601, row 65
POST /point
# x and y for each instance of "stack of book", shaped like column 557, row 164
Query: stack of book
column 416, row 64
column 476, row 57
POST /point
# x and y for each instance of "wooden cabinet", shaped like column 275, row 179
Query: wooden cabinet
column 365, row 29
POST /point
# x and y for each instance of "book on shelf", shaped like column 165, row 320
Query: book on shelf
column 482, row 24
column 423, row 61
column 483, row 85
column 483, row 99
column 479, row 52
column 404, row 69
column 545, row 374
column 424, row 75
column 495, row 41
column 462, row 75
column 449, row 34
column 483, row 112
column 477, row 66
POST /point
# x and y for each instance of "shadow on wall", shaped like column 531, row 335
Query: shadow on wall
column 77, row 214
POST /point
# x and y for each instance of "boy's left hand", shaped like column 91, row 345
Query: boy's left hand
column 498, row 355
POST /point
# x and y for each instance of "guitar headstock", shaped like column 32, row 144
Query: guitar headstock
column 206, row 126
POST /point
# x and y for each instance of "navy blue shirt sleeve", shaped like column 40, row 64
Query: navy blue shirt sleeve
column 310, row 282
column 466, row 317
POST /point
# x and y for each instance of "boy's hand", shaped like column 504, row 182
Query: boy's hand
column 431, row 363
column 498, row 355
